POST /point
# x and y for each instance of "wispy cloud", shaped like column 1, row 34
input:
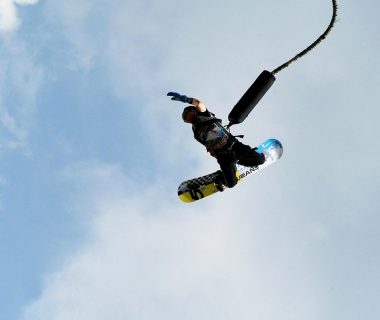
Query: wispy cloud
column 20, row 81
column 147, row 258
column 8, row 13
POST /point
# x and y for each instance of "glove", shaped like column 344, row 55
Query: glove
column 177, row 97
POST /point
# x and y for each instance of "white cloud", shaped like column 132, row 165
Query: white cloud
column 25, row 2
column 8, row 18
column 8, row 13
column 149, row 258
column 20, row 80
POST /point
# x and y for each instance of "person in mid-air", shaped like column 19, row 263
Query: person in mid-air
column 219, row 142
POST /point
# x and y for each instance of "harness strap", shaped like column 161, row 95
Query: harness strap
column 209, row 121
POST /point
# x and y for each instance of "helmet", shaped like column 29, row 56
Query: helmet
column 187, row 110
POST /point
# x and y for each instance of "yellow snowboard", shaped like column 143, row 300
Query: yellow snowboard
column 201, row 187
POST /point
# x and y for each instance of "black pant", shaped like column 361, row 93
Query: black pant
column 238, row 153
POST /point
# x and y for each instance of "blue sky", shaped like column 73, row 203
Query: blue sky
column 92, row 152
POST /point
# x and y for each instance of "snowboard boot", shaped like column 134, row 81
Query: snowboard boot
column 220, row 181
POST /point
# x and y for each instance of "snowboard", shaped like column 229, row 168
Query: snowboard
column 204, row 186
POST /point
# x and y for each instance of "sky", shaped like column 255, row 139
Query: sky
column 92, row 152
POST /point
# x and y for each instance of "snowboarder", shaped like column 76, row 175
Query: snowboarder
column 219, row 142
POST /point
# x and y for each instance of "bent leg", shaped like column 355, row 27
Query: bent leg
column 227, row 161
column 248, row 156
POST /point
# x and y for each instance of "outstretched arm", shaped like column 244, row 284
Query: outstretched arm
column 201, row 107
